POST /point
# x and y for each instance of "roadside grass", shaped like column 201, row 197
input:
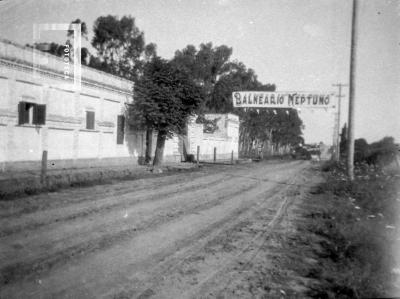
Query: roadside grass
column 19, row 187
column 352, row 229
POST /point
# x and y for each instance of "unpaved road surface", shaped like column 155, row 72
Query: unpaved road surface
column 186, row 235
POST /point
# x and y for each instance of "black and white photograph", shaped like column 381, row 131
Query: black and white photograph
column 199, row 149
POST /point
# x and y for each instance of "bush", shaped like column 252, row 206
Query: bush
column 377, row 154
column 355, row 247
column 361, row 150
column 382, row 152
column 330, row 165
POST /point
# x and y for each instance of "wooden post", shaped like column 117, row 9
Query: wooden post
column 215, row 154
column 44, row 167
column 350, row 132
column 337, row 129
column 232, row 158
column 198, row 154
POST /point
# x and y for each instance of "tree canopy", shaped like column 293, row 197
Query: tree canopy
column 196, row 80
column 204, row 66
column 164, row 99
column 60, row 50
column 218, row 76
column 121, row 47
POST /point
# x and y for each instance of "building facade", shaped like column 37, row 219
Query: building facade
column 225, row 139
column 42, row 110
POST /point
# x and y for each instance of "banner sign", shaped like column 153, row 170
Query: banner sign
column 263, row 99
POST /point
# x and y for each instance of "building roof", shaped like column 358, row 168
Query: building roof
column 30, row 58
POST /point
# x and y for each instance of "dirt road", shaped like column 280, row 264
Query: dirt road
column 186, row 235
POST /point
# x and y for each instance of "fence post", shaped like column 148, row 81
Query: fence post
column 232, row 158
column 215, row 154
column 198, row 154
column 44, row 167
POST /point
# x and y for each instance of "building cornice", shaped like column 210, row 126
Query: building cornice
column 25, row 67
column 31, row 60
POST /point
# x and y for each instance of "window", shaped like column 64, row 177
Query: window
column 90, row 120
column 31, row 113
column 120, row 129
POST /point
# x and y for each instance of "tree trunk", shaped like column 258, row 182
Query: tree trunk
column 149, row 143
column 183, row 139
column 158, row 157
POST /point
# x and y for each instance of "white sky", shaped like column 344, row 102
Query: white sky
column 296, row 44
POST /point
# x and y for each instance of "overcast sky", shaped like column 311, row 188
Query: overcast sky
column 296, row 44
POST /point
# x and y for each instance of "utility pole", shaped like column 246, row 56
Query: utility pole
column 350, row 140
column 337, row 120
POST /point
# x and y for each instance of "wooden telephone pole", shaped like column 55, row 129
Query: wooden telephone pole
column 350, row 139
column 337, row 120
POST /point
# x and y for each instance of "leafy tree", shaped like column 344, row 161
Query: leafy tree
column 382, row 152
column 51, row 48
column 287, row 128
column 263, row 127
column 204, row 67
column 210, row 67
column 236, row 77
column 60, row 50
column 258, row 126
column 164, row 99
column 121, row 48
column 84, row 34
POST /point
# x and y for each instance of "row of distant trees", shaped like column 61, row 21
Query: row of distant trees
column 195, row 81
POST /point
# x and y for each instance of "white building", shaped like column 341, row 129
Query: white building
column 42, row 110
column 225, row 139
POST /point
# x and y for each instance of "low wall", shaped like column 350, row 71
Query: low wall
column 224, row 148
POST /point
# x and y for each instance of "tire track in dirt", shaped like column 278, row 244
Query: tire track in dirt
column 104, row 223
column 118, row 235
column 241, row 260
column 25, row 205
column 20, row 270
column 171, row 258
column 80, row 209
column 235, row 268
column 104, row 204
column 257, row 273
column 189, row 249
column 179, row 270
column 162, row 255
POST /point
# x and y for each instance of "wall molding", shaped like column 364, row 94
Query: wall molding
column 90, row 131
column 89, row 95
column 110, row 100
column 106, row 124
column 63, row 119
column 59, row 128
column 28, row 82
